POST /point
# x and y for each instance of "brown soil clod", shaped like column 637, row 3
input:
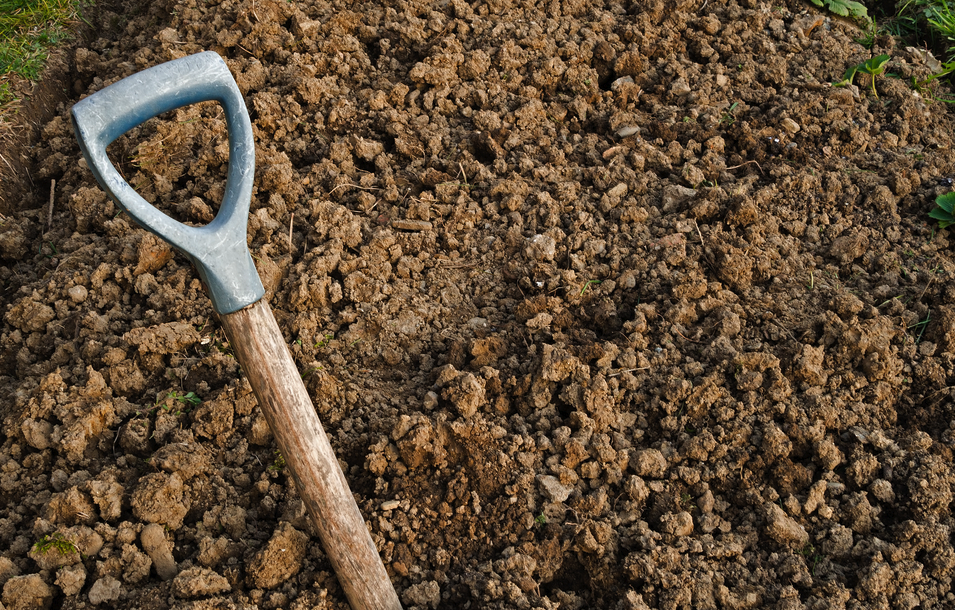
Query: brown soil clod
column 601, row 306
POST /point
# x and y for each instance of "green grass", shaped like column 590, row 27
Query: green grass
column 28, row 30
column 930, row 22
column 57, row 542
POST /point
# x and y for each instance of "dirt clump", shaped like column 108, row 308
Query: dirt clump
column 602, row 306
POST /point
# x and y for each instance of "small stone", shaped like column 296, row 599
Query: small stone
column 617, row 192
column 390, row 505
column 620, row 82
column 541, row 248
column 627, row 131
column 790, row 125
column 675, row 195
column 680, row 87
column 553, row 488
column 477, row 323
column 77, row 294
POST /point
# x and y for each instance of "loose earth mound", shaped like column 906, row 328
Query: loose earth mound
column 603, row 305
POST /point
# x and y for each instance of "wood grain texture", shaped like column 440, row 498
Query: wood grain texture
column 265, row 359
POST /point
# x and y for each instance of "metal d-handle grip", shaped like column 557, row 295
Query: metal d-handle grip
column 218, row 249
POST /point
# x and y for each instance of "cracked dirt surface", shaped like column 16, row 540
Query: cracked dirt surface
column 602, row 306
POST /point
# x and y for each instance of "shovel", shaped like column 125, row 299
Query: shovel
column 220, row 254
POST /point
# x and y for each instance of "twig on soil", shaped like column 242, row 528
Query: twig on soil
column 642, row 368
column 747, row 163
column 698, row 232
column 291, row 220
column 355, row 186
column 684, row 336
column 49, row 211
column 116, row 437
column 939, row 391
column 921, row 294
column 450, row 265
column 8, row 163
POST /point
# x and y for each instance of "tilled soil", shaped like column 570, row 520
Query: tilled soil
column 602, row 306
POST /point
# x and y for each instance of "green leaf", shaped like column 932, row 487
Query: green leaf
column 944, row 219
column 838, row 8
column 844, row 8
column 946, row 202
column 858, row 10
column 876, row 65
column 817, row 2
column 940, row 214
column 847, row 77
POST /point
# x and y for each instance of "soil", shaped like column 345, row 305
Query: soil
column 603, row 305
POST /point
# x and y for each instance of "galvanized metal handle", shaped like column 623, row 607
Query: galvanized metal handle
column 218, row 249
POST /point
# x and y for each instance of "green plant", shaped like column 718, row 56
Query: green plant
column 278, row 464
column 868, row 36
column 310, row 371
column 53, row 250
column 189, row 398
column 927, row 22
column 922, row 86
column 944, row 211
column 176, row 403
column 587, row 285
column 874, row 67
column 55, row 542
column 540, row 520
column 945, row 70
column 809, row 552
column 28, row 29
column 942, row 20
column 727, row 118
column 923, row 324
column 325, row 341
column 844, row 8
column 6, row 94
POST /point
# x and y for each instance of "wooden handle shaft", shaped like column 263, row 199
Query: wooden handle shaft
column 265, row 359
